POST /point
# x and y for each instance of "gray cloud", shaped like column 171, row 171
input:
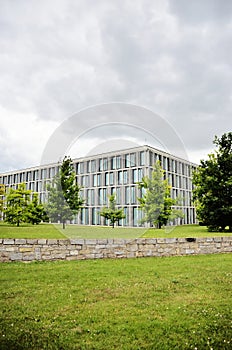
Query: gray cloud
column 173, row 57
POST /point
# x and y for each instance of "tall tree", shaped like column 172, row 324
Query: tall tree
column 2, row 192
column 64, row 200
column 111, row 212
column 213, row 186
column 156, row 201
column 71, row 189
column 17, row 201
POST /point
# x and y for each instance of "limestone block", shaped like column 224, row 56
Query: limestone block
column 190, row 251
column 26, row 249
column 52, row 241
column 77, row 241
column 42, row 241
column 16, row 256
column 8, row 241
column 32, row 241
column 20, row 241
column 28, row 257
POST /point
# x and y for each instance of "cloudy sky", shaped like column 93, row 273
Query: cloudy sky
column 60, row 57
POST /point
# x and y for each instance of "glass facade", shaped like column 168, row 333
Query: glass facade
column 119, row 173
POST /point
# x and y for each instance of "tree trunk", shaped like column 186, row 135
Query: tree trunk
column 63, row 224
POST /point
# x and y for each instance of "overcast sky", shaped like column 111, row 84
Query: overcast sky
column 58, row 57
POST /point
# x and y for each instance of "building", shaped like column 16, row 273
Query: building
column 114, row 172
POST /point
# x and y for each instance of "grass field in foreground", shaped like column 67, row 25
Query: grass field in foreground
column 150, row 303
column 94, row 232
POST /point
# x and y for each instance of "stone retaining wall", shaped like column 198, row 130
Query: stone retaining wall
column 76, row 249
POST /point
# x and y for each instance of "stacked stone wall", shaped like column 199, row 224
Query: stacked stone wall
column 78, row 249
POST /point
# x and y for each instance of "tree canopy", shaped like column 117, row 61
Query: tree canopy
column 111, row 212
column 213, row 186
column 2, row 192
column 156, row 201
column 64, row 200
column 22, row 205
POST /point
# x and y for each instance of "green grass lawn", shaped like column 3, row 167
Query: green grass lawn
column 76, row 231
column 183, row 231
column 150, row 303
column 30, row 231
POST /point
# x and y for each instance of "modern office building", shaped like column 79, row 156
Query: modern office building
column 114, row 172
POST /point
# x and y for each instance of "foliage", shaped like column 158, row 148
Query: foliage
column 213, row 186
column 17, row 202
column 156, row 201
column 57, row 207
column 71, row 189
column 112, row 213
column 64, row 199
column 22, row 205
column 147, row 303
column 35, row 211
column 2, row 192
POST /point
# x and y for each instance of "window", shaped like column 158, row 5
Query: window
column 126, row 219
column 118, row 162
column 142, row 158
column 118, row 195
column 90, row 197
column 111, row 178
column 95, row 216
column 125, row 177
column 85, row 180
column 88, row 166
column 127, row 195
column 85, row 216
column 93, row 166
column 113, row 163
column 140, row 174
column 103, row 164
column 133, row 196
column 94, row 180
column 102, row 196
column 127, row 160
column 15, row 178
column 28, row 175
column 107, row 179
column 120, row 177
column 132, row 159
column 80, row 168
column 99, row 179
column 135, row 176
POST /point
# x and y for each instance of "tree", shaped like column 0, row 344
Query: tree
column 111, row 212
column 22, row 205
column 17, row 201
column 71, row 189
column 2, row 192
column 64, row 199
column 156, row 201
column 213, row 186
column 36, row 211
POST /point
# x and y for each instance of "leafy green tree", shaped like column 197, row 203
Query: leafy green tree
column 71, row 189
column 111, row 212
column 64, row 200
column 2, row 193
column 36, row 211
column 213, row 186
column 17, row 201
column 156, row 201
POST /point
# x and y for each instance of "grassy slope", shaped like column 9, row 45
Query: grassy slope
column 151, row 303
column 75, row 231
